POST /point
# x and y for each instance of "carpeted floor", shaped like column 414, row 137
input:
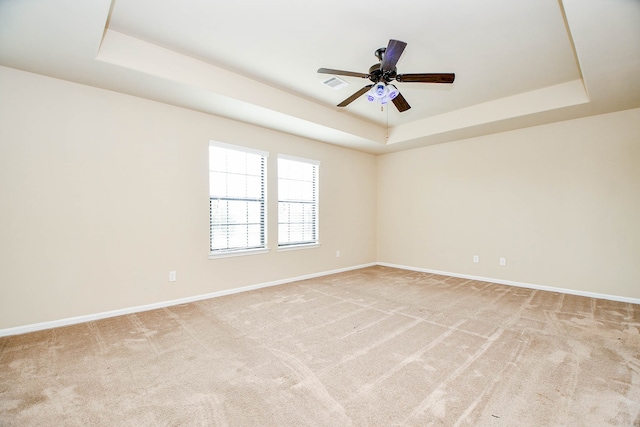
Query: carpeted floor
column 371, row 347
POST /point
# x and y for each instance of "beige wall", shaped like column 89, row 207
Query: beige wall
column 102, row 194
column 561, row 202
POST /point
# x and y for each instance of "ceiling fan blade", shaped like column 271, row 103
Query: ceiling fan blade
column 426, row 78
column 355, row 96
column 392, row 55
column 342, row 73
column 401, row 103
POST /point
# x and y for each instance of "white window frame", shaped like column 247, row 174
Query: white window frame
column 246, row 250
column 312, row 243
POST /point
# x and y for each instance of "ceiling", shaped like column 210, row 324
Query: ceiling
column 517, row 63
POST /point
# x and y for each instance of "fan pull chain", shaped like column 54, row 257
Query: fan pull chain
column 387, row 123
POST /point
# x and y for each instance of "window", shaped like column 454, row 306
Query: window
column 297, row 201
column 236, row 199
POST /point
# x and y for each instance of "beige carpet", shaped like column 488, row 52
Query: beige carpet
column 371, row 347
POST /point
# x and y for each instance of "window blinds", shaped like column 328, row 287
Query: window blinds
column 297, row 201
column 236, row 198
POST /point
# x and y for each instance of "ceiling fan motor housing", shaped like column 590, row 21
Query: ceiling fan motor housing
column 377, row 75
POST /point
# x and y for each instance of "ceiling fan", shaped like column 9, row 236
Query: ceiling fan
column 383, row 73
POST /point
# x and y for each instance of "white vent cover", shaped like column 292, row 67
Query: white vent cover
column 335, row 83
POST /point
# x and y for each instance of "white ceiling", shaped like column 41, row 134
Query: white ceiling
column 517, row 63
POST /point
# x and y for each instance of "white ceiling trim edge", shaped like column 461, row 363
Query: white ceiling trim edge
column 545, row 99
column 234, row 95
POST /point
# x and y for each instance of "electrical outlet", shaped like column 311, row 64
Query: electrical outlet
column 172, row 276
column 476, row 259
column 337, row 254
column 503, row 262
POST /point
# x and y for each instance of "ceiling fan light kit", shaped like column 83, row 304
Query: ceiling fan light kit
column 382, row 92
column 383, row 73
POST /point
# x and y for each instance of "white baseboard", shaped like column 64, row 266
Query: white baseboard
column 113, row 313
column 518, row 284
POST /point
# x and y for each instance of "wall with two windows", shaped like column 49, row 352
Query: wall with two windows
column 103, row 194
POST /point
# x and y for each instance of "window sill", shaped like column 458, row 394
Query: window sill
column 298, row 247
column 238, row 253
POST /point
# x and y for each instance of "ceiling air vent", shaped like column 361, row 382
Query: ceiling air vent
column 335, row 83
